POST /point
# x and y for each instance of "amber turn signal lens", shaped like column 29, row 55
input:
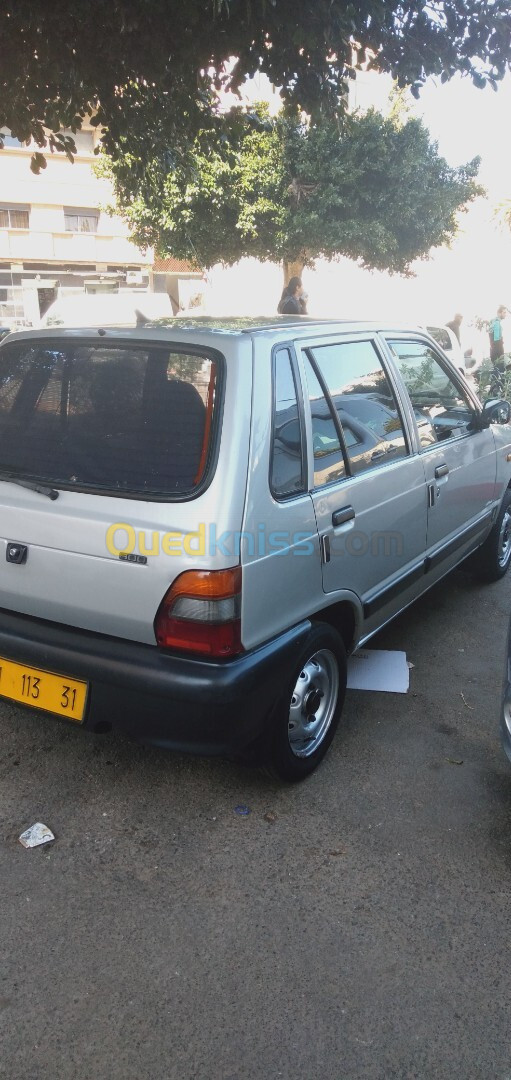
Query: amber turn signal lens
column 200, row 613
column 211, row 584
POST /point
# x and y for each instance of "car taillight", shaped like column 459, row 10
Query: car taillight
column 201, row 612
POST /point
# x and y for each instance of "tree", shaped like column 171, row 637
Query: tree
column 502, row 213
column 284, row 190
column 62, row 61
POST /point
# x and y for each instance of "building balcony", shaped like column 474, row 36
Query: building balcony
column 20, row 245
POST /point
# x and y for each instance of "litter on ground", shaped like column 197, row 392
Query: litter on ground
column 379, row 669
column 37, row 834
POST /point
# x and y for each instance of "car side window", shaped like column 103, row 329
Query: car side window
column 288, row 466
column 442, row 410
column 365, row 403
column 328, row 456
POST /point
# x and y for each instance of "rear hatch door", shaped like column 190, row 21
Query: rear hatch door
column 127, row 431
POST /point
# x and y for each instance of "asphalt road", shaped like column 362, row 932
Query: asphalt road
column 355, row 927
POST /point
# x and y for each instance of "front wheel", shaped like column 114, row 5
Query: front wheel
column 306, row 717
column 493, row 558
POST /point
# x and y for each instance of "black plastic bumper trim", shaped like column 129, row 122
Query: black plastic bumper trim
column 179, row 702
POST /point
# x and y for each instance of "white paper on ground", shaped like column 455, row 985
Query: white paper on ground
column 378, row 669
column 37, row 834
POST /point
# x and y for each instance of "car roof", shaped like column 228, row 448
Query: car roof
column 202, row 327
column 264, row 324
column 245, row 324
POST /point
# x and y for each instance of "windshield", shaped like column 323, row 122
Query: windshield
column 121, row 420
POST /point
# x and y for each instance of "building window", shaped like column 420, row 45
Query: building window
column 81, row 221
column 14, row 217
column 84, row 141
column 11, row 140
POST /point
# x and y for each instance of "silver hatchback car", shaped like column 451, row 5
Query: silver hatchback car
column 505, row 713
column 200, row 520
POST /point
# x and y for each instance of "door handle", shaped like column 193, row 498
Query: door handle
column 441, row 470
column 325, row 548
column 340, row 517
column 378, row 455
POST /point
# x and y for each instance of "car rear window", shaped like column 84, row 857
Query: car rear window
column 440, row 336
column 120, row 420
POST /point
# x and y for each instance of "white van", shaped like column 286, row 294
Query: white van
column 199, row 521
column 117, row 309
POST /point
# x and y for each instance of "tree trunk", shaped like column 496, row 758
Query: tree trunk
column 292, row 268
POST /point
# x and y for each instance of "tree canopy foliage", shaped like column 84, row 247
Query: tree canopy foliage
column 378, row 191
column 62, row 60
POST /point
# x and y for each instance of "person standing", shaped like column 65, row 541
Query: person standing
column 496, row 336
column 291, row 302
column 455, row 326
column 303, row 300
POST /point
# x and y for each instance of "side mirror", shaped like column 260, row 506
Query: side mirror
column 495, row 412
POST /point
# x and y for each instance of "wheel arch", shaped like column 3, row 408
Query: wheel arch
column 344, row 617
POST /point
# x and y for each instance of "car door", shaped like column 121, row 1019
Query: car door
column 458, row 455
column 368, row 486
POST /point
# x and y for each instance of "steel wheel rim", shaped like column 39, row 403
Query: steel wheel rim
column 504, row 549
column 313, row 703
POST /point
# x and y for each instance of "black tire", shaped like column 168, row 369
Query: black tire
column 492, row 560
column 287, row 755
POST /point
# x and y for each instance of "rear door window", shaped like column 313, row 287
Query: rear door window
column 288, row 470
column 329, row 461
column 117, row 419
column 365, row 403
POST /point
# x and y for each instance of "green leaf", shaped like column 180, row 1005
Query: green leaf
column 37, row 162
column 382, row 194
column 137, row 66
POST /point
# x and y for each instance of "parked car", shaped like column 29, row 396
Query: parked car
column 107, row 309
column 446, row 338
column 4, row 330
column 201, row 520
column 468, row 360
column 505, row 715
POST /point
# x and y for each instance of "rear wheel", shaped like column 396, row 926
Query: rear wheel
column 306, row 717
column 493, row 558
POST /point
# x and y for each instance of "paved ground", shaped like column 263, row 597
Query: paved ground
column 352, row 928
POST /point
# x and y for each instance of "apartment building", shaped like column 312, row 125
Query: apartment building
column 56, row 240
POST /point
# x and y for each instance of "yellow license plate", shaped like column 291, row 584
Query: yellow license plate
column 43, row 690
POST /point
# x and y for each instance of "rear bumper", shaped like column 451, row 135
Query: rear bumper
column 177, row 702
